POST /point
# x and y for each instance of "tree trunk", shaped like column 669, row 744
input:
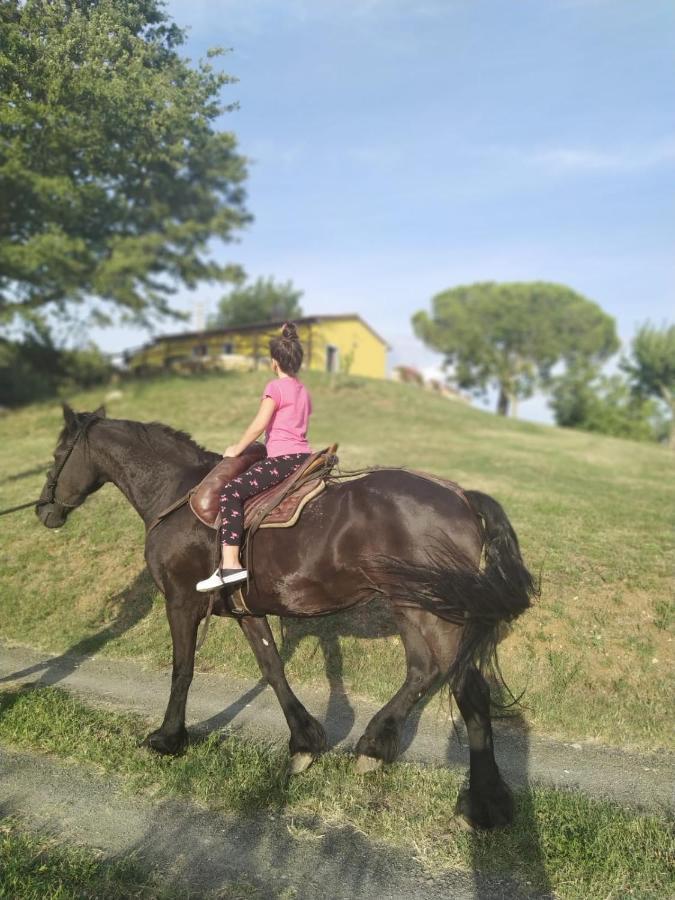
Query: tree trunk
column 502, row 402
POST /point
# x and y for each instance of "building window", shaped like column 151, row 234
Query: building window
column 228, row 348
column 332, row 358
column 200, row 350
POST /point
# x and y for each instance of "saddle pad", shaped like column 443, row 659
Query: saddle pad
column 287, row 512
column 205, row 498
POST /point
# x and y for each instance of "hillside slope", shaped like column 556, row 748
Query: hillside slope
column 592, row 514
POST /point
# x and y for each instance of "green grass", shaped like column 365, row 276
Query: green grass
column 562, row 842
column 37, row 866
column 593, row 515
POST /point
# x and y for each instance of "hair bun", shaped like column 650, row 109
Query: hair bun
column 289, row 331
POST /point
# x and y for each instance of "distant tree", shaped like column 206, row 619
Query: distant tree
column 651, row 367
column 262, row 301
column 35, row 367
column 511, row 335
column 113, row 177
column 585, row 399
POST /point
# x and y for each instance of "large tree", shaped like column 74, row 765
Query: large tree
column 651, row 366
column 113, row 174
column 263, row 300
column 511, row 335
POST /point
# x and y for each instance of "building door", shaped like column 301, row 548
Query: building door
column 332, row 354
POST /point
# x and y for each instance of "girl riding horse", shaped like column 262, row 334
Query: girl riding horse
column 284, row 414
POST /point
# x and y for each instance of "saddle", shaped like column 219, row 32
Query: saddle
column 277, row 507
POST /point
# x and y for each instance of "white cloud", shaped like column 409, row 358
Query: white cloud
column 267, row 150
column 599, row 160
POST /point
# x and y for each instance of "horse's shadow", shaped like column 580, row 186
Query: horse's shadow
column 368, row 622
column 338, row 719
column 127, row 607
column 375, row 621
column 363, row 622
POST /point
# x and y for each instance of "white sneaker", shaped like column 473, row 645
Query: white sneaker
column 220, row 578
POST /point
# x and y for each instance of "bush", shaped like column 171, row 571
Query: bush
column 35, row 369
column 85, row 367
column 591, row 402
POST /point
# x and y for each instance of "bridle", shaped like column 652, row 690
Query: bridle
column 52, row 480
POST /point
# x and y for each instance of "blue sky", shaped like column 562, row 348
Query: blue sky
column 400, row 148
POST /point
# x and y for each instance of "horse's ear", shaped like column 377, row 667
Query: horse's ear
column 69, row 416
column 100, row 412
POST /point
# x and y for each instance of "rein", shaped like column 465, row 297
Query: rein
column 53, row 479
column 6, row 512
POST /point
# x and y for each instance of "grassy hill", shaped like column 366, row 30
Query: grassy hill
column 592, row 514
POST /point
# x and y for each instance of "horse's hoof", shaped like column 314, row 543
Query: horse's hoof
column 167, row 745
column 300, row 762
column 366, row 764
column 494, row 810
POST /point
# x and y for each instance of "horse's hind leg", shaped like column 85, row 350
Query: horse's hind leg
column 487, row 802
column 380, row 741
column 308, row 739
column 184, row 616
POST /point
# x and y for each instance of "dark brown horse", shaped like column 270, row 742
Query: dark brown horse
column 405, row 537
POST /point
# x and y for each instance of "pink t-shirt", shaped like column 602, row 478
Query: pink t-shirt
column 287, row 430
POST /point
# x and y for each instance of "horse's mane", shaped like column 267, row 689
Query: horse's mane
column 166, row 440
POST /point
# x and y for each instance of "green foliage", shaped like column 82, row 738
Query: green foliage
column 652, row 361
column 262, row 301
column 85, row 367
column 36, row 368
column 582, row 398
column 511, row 335
column 651, row 366
column 113, row 179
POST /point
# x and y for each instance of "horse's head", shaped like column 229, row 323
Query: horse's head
column 74, row 475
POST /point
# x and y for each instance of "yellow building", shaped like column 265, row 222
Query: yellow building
column 331, row 343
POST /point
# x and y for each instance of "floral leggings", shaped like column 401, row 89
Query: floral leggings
column 253, row 481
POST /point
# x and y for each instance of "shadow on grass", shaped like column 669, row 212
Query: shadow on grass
column 367, row 622
column 524, row 830
column 130, row 606
column 339, row 719
column 27, row 473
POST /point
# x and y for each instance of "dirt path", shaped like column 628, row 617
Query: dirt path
column 645, row 780
column 205, row 853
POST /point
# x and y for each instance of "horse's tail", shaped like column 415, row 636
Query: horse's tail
column 503, row 591
column 483, row 600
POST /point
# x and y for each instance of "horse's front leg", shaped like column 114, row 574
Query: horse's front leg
column 184, row 615
column 308, row 739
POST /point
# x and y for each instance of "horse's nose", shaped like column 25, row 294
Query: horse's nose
column 50, row 515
